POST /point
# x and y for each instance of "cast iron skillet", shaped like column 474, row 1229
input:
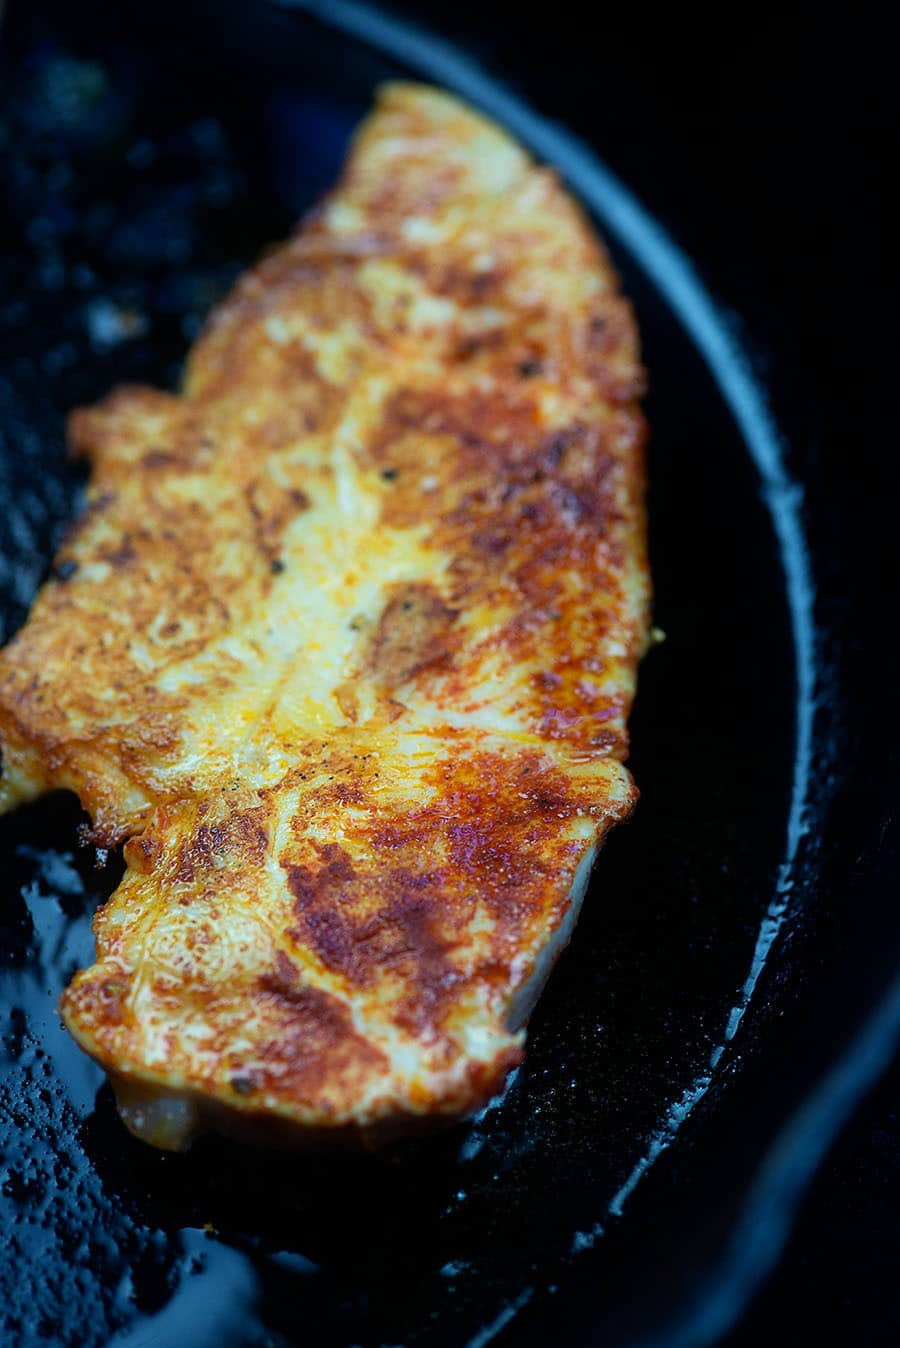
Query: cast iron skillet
column 637, row 1180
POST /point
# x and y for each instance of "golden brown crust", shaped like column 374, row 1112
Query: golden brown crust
column 345, row 642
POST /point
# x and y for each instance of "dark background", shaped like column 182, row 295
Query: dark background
column 762, row 144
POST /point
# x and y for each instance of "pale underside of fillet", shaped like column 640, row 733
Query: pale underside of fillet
column 343, row 648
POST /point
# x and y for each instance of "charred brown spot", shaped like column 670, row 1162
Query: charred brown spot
column 468, row 348
column 413, row 633
column 319, row 896
column 312, row 1052
column 466, row 285
column 272, row 508
column 336, row 869
column 159, row 458
column 236, row 841
column 287, row 976
column 555, row 447
column 406, row 938
column 387, row 921
column 475, row 419
column 121, row 556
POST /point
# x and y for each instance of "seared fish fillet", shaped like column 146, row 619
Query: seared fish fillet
column 342, row 649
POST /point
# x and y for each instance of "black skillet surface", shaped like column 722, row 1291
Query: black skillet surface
column 638, row 1177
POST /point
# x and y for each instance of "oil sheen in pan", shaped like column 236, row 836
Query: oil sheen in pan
column 439, row 1242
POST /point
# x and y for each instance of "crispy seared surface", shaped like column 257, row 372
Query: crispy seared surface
column 343, row 648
